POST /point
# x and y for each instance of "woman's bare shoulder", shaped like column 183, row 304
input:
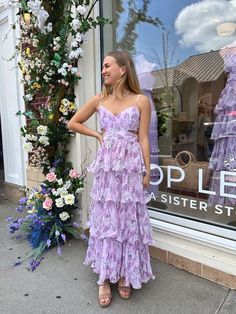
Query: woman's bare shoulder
column 143, row 101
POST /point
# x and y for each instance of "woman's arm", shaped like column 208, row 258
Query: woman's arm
column 145, row 115
column 83, row 114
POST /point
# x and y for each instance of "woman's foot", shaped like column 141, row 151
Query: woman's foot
column 123, row 290
column 104, row 294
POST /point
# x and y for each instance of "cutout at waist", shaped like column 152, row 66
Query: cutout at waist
column 131, row 131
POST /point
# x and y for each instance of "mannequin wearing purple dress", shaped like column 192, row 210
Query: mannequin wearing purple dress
column 224, row 133
column 144, row 71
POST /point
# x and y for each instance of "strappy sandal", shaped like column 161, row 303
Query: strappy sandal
column 124, row 291
column 102, row 296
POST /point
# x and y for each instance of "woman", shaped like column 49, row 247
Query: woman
column 120, row 230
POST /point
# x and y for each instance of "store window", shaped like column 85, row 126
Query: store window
column 185, row 56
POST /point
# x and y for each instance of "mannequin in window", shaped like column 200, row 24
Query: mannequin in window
column 224, row 131
column 146, row 79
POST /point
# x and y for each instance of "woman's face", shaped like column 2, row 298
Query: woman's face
column 111, row 71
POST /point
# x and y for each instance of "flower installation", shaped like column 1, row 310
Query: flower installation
column 52, row 38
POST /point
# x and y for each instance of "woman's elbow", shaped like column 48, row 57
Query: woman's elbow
column 71, row 125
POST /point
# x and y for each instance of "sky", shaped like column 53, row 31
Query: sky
column 191, row 26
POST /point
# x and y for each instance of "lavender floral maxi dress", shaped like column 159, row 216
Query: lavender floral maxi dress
column 120, row 230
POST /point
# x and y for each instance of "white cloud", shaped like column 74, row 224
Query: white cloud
column 196, row 24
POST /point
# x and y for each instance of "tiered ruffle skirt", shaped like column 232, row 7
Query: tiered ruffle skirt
column 120, row 230
column 224, row 152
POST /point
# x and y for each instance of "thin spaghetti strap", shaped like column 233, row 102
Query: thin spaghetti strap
column 100, row 100
column 137, row 99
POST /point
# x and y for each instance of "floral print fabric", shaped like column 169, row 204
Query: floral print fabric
column 120, row 230
column 224, row 134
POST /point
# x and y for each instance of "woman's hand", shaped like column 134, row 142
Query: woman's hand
column 146, row 180
column 100, row 137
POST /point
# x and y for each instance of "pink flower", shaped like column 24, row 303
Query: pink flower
column 51, row 177
column 47, row 204
column 73, row 173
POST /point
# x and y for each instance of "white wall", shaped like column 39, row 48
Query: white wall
column 10, row 101
column 83, row 148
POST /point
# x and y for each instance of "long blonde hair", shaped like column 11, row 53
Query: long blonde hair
column 129, row 80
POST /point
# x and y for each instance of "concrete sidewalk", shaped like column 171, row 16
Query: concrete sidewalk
column 64, row 285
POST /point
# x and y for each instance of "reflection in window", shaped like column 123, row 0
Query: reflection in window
column 185, row 55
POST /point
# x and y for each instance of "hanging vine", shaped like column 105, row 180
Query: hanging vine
column 53, row 35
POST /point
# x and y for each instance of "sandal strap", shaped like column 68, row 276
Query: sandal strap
column 124, row 287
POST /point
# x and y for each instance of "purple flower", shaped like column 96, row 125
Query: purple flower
column 15, row 225
column 20, row 208
column 56, row 162
column 9, row 219
column 76, row 224
column 49, row 242
column 83, row 236
column 59, row 251
column 23, row 200
column 63, row 237
column 32, row 265
column 44, row 190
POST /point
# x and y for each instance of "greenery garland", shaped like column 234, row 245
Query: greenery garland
column 53, row 33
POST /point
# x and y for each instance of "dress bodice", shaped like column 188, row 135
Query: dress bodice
column 127, row 119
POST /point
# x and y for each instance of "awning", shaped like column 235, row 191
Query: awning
column 205, row 67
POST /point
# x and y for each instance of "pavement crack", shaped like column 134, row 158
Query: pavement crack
column 223, row 301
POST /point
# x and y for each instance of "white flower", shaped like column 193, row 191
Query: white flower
column 76, row 53
column 79, row 37
column 41, row 19
column 81, row 9
column 32, row 65
column 74, row 70
column 62, row 71
column 69, row 199
column 35, row 42
column 79, row 190
column 42, row 130
column 62, row 191
column 44, row 140
column 72, row 54
column 65, row 65
column 34, row 6
column 50, row 72
column 65, row 102
column 57, row 233
column 31, row 137
column 29, row 97
column 49, row 27
column 28, row 147
column 27, row 77
column 75, row 24
column 59, row 202
column 46, row 78
column 60, row 181
column 55, row 192
column 79, row 51
column 74, row 44
column 68, row 184
column 64, row 216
